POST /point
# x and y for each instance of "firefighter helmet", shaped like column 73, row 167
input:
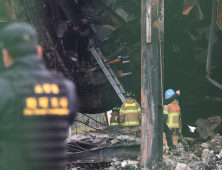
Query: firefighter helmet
column 169, row 93
column 116, row 108
column 88, row 18
column 69, row 24
column 130, row 94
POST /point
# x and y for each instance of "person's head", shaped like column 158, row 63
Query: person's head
column 169, row 93
column 130, row 95
column 18, row 40
column 86, row 20
column 69, row 24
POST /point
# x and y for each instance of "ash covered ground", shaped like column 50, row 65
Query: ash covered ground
column 188, row 155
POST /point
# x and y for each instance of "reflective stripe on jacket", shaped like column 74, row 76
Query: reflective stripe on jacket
column 174, row 115
column 114, row 124
column 113, row 119
column 130, row 113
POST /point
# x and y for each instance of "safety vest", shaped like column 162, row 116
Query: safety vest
column 130, row 113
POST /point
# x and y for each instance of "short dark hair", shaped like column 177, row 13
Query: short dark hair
column 19, row 39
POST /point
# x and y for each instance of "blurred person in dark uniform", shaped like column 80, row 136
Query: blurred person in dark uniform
column 69, row 39
column 37, row 106
column 83, row 41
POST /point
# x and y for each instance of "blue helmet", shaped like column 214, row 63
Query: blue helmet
column 169, row 93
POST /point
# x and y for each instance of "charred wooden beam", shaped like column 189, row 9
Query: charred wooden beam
column 160, row 13
column 149, row 89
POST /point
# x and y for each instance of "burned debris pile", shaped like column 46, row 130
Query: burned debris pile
column 188, row 155
column 100, row 148
column 195, row 155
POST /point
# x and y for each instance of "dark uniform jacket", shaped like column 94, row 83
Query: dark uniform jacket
column 37, row 107
column 69, row 40
column 84, row 33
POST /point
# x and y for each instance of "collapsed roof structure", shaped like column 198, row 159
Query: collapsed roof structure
column 115, row 21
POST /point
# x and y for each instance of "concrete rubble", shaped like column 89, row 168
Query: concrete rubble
column 100, row 149
column 188, row 155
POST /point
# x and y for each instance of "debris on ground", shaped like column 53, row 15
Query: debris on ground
column 208, row 127
column 100, row 149
column 194, row 155
column 188, row 155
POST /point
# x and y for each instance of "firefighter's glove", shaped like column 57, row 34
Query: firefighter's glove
column 165, row 117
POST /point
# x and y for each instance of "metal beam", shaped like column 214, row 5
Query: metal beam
column 210, row 45
column 211, row 37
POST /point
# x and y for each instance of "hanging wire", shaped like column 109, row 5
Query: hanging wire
column 100, row 118
column 104, row 118
column 76, row 128
column 101, row 30
column 76, row 145
column 73, row 149
column 94, row 119
column 87, row 125
column 84, row 122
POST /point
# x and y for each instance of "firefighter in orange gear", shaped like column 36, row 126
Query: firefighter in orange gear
column 174, row 118
column 130, row 113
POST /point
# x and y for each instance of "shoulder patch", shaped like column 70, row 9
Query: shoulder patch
column 175, row 107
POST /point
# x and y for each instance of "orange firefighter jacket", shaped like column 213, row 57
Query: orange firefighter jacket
column 113, row 119
column 130, row 113
column 174, row 115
